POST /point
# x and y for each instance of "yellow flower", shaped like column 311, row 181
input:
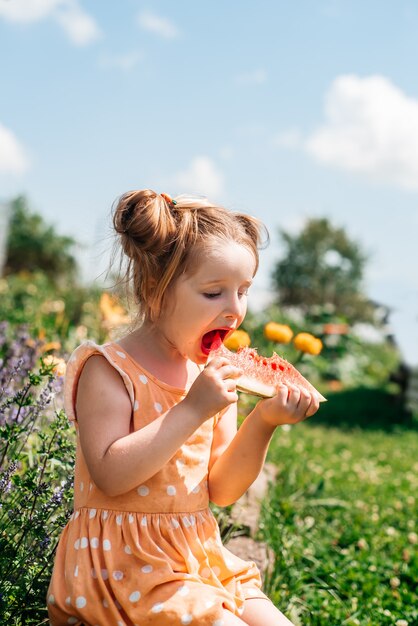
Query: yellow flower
column 58, row 365
column 280, row 333
column 305, row 342
column 51, row 345
column 112, row 312
column 238, row 339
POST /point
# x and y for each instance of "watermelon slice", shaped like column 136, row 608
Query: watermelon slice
column 262, row 375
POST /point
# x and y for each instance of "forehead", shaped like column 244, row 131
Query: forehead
column 220, row 258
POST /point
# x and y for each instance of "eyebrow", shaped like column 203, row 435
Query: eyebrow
column 220, row 281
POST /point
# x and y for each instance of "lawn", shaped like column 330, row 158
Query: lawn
column 341, row 520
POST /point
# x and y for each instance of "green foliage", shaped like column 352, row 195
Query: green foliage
column 341, row 520
column 65, row 313
column 36, row 467
column 322, row 266
column 33, row 245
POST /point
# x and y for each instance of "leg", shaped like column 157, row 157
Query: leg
column 260, row 612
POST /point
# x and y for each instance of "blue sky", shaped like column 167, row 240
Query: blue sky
column 285, row 110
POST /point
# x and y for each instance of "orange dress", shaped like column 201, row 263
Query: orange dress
column 153, row 555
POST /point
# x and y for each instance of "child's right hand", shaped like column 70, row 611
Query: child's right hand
column 214, row 389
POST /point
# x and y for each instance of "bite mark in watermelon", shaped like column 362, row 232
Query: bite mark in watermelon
column 262, row 375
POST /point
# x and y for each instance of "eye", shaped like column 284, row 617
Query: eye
column 210, row 296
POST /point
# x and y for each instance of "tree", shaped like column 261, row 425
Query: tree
column 322, row 266
column 34, row 245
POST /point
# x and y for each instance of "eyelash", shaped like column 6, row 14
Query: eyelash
column 211, row 296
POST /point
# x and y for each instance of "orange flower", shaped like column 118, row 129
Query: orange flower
column 305, row 342
column 51, row 345
column 112, row 312
column 238, row 339
column 280, row 333
column 57, row 365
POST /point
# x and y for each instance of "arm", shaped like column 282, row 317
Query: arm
column 118, row 459
column 239, row 457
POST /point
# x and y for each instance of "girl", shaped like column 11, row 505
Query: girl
column 157, row 435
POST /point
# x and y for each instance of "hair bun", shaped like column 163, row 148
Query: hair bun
column 143, row 218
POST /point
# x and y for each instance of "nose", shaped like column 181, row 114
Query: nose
column 233, row 308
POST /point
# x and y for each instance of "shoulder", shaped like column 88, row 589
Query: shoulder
column 95, row 369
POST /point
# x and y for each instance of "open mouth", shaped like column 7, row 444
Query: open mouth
column 213, row 339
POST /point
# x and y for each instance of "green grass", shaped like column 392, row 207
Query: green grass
column 341, row 520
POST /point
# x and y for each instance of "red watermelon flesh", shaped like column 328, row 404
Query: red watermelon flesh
column 262, row 375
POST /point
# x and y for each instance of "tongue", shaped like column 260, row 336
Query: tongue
column 211, row 341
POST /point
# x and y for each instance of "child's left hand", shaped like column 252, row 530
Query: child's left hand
column 290, row 406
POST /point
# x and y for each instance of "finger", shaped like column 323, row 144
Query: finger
column 230, row 371
column 293, row 398
column 217, row 362
column 313, row 407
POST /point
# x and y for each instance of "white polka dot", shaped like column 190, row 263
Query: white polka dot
column 92, row 513
column 76, row 544
column 51, row 599
column 94, row 542
column 81, row 486
column 183, row 590
column 186, row 521
column 157, row 608
column 146, row 569
column 136, row 405
column 158, row 407
column 117, row 575
column 186, row 618
column 84, row 542
column 128, row 550
column 121, row 354
column 105, row 574
column 205, row 572
column 131, row 518
column 76, row 514
column 218, row 622
column 143, row 490
column 135, row 596
column 91, row 486
column 196, row 489
column 68, row 601
column 71, row 517
column 143, row 379
column 72, row 620
column 209, row 604
column 160, row 550
column 105, row 515
column 107, row 545
column 80, row 602
column 171, row 490
column 119, row 520
column 93, row 573
column 118, row 605
column 192, row 520
column 144, row 521
column 121, row 623
column 76, row 571
column 105, row 604
column 175, row 523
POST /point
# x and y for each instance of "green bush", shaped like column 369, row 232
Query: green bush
column 36, row 468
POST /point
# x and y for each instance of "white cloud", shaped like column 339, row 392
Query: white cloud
column 80, row 27
column 158, row 25
column 201, row 177
column 371, row 128
column 12, row 154
column 255, row 77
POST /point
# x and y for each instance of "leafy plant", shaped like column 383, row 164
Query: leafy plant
column 36, row 461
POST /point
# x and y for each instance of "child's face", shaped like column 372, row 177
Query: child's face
column 213, row 296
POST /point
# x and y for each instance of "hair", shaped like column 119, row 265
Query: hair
column 161, row 237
